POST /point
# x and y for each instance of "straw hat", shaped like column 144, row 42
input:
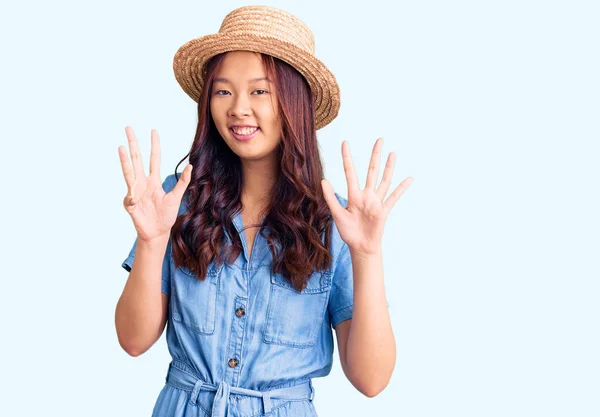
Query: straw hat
column 270, row 31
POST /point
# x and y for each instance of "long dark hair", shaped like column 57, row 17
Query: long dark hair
column 300, row 221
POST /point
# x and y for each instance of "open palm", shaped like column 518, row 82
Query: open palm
column 152, row 210
column 361, row 223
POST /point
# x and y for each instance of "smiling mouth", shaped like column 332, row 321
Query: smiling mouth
column 244, row 131
column 245, row 136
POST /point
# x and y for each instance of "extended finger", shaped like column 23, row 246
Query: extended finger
column 155, row 154
column 388, row 172
column 351, row 177
column 183, row 182
column 397, row 193
column 134, row 150
column 328, row 193
column 373, row 172
column 126, row 167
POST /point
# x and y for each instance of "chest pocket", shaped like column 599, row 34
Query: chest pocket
column 195, row 302
column 294, row 319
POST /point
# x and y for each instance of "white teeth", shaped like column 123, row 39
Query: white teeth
column 244, row 130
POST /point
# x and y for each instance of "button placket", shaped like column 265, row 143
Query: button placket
column 234, row 348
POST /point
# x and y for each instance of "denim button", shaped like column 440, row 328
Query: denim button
column 233, row 362
column 240, row 312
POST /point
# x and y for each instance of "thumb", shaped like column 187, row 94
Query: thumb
column 129, row 203
column 330, row 199
column 184, row 181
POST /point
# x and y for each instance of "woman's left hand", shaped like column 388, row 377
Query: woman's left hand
column 361, row 223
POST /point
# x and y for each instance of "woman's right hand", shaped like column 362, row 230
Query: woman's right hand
column 153, row 211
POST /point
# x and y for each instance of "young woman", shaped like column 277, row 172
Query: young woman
column 257, row 257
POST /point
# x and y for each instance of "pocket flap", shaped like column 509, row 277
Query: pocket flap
column 212, row 272
column 318, row 282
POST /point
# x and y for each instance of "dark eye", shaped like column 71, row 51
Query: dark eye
column 263, row 91
column 218, row 93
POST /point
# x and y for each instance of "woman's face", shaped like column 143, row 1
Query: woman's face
column 241, row 96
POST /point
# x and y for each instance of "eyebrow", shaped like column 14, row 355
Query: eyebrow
column 253, row 80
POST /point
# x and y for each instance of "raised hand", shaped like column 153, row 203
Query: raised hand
column 361, row 223
column 153, row 211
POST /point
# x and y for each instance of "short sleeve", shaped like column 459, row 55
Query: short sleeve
column 341, row 298
column 168, row 185
column 166, row 266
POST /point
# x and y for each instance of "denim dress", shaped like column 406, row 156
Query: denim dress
column 244, row 342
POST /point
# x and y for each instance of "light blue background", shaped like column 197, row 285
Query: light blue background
column 491, row 257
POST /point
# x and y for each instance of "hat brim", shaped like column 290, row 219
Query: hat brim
column 190, row 58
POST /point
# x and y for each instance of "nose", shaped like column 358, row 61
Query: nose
column 240, row 107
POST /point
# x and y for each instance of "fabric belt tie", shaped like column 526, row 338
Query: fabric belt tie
column 220, row 406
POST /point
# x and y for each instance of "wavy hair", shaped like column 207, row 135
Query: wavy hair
column 300, row 221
